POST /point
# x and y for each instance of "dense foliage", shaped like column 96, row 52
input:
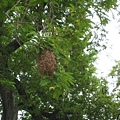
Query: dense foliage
column 115, row 75
column 68, row 28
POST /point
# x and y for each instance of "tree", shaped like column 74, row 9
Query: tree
column 27, row 28
column 115, row 72
column 115, row 75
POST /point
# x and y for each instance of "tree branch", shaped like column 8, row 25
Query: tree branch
column 19, row 87
column 12, row 46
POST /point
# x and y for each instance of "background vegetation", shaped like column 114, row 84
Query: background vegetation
column 66, row 27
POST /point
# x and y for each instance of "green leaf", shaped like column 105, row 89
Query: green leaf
column 44, row 82
column 7, row 82
column 57, row 93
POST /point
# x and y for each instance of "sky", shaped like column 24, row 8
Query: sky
column 106, row 59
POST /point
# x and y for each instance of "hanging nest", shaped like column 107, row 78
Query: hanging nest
column 47, row 62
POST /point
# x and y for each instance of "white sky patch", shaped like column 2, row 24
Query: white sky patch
column 106, row 59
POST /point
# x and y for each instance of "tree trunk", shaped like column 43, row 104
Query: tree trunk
column 10, row 110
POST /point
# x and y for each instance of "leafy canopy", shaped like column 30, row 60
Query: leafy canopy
column 68, row 29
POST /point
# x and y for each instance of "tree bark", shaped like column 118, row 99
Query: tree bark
column 10, row 109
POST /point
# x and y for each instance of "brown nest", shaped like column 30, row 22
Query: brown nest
column 47, row 62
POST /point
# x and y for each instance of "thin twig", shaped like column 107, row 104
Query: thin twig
column 51, row 12
column 12, row 7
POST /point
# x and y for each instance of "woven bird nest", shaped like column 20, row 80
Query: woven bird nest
column 47, row 62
